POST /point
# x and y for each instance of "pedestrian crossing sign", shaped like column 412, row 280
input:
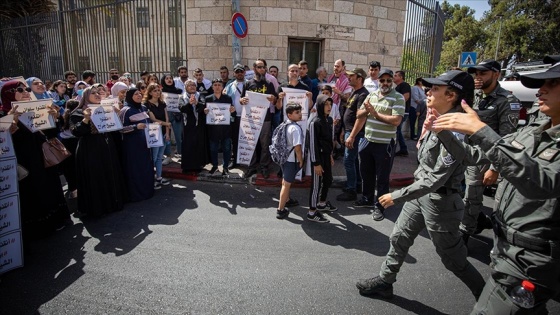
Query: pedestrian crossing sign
column 468, row 59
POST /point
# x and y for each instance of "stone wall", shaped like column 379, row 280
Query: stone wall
column 356, row 31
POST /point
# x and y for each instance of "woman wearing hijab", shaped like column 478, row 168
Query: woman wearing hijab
column 119, row 91
column 136, row 156
column 194, row 149
column 42, row 204
column 176, row 119
column 58, row 94
column 38, row 88
column 79, row 89
column 99, row 174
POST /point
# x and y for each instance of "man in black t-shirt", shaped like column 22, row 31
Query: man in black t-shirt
column 356, row 79
column 405, row 89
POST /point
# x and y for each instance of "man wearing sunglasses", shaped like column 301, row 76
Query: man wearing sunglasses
column 499, row 109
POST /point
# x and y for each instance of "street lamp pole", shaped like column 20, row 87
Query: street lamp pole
column 499, row 35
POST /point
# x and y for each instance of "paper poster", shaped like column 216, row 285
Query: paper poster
column 35, row 114
column 105, row 118
column 11, row 251
column 171, row 101
column 8, row 177
column 250, row 126
column 296, row 96
column 110, row 102
column 6, row 145
column 154, row 136
column 9, row 214
column 218, row 114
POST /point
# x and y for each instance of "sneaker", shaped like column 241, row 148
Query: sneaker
column 282, row 214
column 292, row 203
column 166, row 161
column 163, row 181
column 250, row 172
column 402, row 153
column 317, row 217
column 348, row 195
column 363, row 203
column 213, row 170
column 225, row 172
column 378, row 214
column 375, row 286
column 328, row 207
column 157, row 185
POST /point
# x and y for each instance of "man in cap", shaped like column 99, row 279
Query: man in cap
column 356, row 79
column 499, row 109
column 381, row 113
column 526, row 220
column 234, row 89
column 433, row 200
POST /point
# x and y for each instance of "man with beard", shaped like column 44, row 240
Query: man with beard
column 88, row 77
column 183, row 73
column 260, row 84
column 114, row 78
column 381, row 113
column 499, row 109
column 70, row 78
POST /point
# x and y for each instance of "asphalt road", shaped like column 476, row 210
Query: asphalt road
column 207, row 248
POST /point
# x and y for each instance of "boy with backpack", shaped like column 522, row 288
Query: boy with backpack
column 320, row 146
column 286, row 151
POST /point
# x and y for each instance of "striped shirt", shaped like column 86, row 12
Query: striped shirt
column 390, row 104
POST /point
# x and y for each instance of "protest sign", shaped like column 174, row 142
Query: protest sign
column 105, row 118
column 250, row 126
column 218, row 114
column 171, row 101
column 35, row 114
column 296, row 96
column 154, row 136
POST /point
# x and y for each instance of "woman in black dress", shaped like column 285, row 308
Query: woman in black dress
column 194, row 149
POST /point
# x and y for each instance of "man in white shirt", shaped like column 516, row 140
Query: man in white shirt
column 371, row 83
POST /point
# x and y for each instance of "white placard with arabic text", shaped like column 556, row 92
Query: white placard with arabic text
column 218, row 114
column 8, row 177
column 154, row 135
column 35, row 114
column 11, row 252
column 6, row 144
column 250, row 126
column 171, row 102
column 9, row 214
column 105, row 118
column 296, row 96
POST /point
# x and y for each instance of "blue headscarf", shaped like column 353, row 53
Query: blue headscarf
column 38, row 96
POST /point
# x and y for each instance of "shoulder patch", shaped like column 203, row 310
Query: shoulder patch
column 459, row 136
column 548, row 154
column 446, row 157
column 515, row 106
column 513, row 119
column 517, row 145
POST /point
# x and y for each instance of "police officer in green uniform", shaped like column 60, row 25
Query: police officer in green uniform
column 527, row 217
column 433, row 200
column 534, row 113
column 499, row 109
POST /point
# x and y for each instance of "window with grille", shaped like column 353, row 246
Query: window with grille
column 308, row 50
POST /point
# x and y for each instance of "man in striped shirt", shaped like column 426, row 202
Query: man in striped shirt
column 381, row 112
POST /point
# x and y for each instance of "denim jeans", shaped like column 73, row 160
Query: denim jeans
column 177, row 126
column 351, row 163
column 226, row 149
column 157, row 158
column 400, row 137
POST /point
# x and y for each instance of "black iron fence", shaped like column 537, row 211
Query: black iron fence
column 423, row 36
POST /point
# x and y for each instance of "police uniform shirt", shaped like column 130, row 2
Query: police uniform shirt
column 499, row 110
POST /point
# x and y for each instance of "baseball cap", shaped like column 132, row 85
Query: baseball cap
column 455, row 78
column 486, row 65
column 357, row 71
column 551, row 59
column 385, row 71
column 238, row 67
column 536, row 80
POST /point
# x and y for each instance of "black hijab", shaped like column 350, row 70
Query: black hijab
column 169, row 88
column 129, row 101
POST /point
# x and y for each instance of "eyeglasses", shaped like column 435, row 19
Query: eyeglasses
column 20, row 90
column 385, row 80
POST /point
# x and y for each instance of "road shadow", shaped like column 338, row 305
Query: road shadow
column 411, row 306
column 47, row 272
column 121, row 232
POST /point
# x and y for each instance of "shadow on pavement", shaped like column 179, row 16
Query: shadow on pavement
column 48, row 271
column 412, row 306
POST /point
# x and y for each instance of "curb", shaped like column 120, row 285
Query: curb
column 396, row 180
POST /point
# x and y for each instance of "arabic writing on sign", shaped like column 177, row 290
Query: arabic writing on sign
column 35, row 114
column 105, row 118
column 171, row 101
column 154, row 136
column 218, row 114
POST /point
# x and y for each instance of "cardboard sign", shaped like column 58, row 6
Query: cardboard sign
column 218, row 114
column 252, row 119
column 35, row 114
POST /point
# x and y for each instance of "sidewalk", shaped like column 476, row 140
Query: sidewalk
column 401, row 175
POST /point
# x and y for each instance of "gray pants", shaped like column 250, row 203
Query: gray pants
column 440, row 214
column 474, row 195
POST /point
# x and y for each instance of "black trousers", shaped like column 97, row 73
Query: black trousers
column 320, row 184
column 376, row 162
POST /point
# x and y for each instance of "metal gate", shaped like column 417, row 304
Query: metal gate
column 423, row 38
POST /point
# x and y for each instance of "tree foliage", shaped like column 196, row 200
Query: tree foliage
column 529, row 30
column 21, row 8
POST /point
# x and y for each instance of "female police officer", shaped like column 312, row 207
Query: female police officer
column 433, row 200
column 526, row 217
